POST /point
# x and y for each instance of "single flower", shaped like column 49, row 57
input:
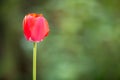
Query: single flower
column 35, row 27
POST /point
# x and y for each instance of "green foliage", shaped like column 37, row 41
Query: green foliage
column 83, row 43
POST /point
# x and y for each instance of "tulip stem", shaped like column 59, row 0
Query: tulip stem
column 34, row 59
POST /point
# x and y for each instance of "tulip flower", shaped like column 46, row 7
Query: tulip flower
column 36, row 28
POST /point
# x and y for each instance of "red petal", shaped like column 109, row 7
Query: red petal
column 39, row 30
column 36, row 27
column 28, row 25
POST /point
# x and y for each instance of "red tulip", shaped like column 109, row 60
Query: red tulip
column 35, row 27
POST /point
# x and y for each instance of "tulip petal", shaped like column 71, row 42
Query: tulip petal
column 35, row 27
column 38, row 29
column 28, row 23
column 46, row 28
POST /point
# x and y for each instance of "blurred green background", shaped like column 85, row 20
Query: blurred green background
column 83, row 43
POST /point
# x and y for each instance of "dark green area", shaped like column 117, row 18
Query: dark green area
column 83, row 44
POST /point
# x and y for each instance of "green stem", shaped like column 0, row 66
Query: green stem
column 34, row 59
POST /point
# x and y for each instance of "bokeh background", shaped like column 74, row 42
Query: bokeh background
column 83, row 43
